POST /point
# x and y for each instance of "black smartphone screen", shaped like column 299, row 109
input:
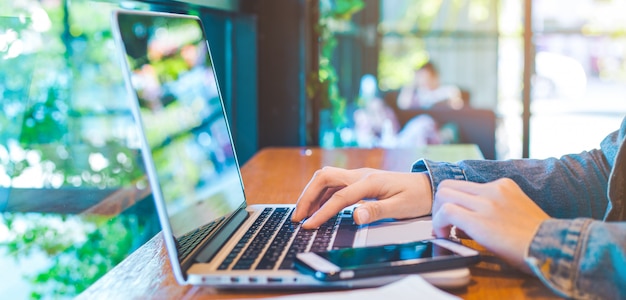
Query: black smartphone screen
column 350, row 258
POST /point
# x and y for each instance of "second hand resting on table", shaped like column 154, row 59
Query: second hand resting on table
column 497, row 215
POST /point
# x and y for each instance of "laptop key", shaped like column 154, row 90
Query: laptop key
column 188, row 242
column 346, row 233
column 244, row 239
column 324, row 235
column 258, row 243
column 278, row 245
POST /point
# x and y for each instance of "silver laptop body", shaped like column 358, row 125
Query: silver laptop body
column 194, row 175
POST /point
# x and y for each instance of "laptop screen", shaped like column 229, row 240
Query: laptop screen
column 184, row 122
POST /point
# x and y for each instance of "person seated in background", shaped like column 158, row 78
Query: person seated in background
column 376, row 125
column 426, row 91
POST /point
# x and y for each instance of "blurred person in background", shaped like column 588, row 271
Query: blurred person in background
column 376, row 125
column 425, row 91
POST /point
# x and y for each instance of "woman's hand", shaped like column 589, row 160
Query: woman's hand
column 497, row 215
column 399, row 195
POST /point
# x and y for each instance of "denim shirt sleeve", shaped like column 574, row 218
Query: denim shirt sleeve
column 581, row 258
column 576, row 255
column 555, row 184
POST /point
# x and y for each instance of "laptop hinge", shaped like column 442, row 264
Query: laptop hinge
column 223, row 236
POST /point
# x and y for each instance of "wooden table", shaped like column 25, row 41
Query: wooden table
column 278, row 175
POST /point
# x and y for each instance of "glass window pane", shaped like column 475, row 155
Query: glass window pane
column 578, row 85
column 74, row 200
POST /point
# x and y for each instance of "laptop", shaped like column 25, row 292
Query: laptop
column 212, row 236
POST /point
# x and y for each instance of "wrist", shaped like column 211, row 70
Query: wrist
column 427, row 194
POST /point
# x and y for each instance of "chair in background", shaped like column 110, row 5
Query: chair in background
column 475, row 126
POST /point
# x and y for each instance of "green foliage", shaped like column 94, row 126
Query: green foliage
column 404, row 51
column 397, row 62
column 81, row 249
column 345, row 9
column 46, row 121
column 404, row 39
column 50, row 95
column 322, row 84
column 66, row 80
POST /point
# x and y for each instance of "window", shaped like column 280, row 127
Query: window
column 73, row 194
column 575, row 55
column 578, row 85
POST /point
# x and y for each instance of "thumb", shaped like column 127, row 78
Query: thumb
column 396, row 207
column 371, row 211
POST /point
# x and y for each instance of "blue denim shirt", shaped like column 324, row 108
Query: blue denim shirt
column 581, row 251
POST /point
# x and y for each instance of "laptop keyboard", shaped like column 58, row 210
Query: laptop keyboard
column 273, row 241
column 187, row 242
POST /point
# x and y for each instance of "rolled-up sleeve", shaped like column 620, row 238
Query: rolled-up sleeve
column 438, row 171
column 581, row 258
column 570, row 187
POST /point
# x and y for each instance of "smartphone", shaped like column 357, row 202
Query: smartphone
column 414, row 257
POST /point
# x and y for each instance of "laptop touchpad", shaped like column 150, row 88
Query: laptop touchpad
column 399, row 231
